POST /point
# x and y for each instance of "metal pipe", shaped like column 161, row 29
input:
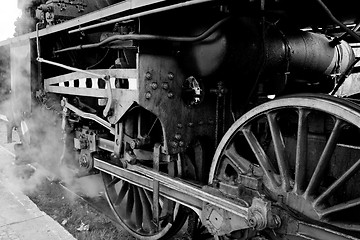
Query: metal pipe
column 148, row 37
column 334, row 19
column 158, row 10
column 71, row 68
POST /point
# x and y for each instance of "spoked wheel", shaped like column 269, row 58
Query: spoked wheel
column 302, row 153
column 134, row 206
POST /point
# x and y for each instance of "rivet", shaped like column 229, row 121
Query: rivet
column 148, row 76
column 170, row 95
column 179, row 125
column 201, row 122
column 190, row 124
column 165, row 86
column 174, row 144
column 177, row 136
column 181, row 143
column 154, row 85
column 170, row 76
column 148, row 95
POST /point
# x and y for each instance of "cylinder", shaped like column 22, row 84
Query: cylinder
column 308, row 53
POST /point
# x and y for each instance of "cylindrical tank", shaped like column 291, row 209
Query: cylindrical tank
column 308, row 53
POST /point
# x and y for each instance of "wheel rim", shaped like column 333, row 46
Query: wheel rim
column 310, row 171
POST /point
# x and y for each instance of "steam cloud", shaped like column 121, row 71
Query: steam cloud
column 44, row 126
column 44, row 154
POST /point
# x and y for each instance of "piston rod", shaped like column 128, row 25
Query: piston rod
column 180, row 191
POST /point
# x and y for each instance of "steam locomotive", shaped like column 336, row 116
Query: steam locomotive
column 244, row 114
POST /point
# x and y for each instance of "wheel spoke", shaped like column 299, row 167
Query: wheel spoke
column 147, row 217
column 149, row 197
column 129, row 203
column 325, row 157
column 301, row 152
column 279, row 148
column 113, row 182
column 120, row 197
column 339, row 207
column 339, row 182
column 238, row 161
column 138, row 209
column 260, row 155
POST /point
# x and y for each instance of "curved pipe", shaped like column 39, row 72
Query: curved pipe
column 334, row 19
column 148, row 37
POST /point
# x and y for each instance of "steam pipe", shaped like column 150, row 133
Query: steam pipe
column 148, row 37
column 333, row 18
column 158, row 10
column 354, row 30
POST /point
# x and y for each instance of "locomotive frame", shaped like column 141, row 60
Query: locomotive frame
column 170, row 134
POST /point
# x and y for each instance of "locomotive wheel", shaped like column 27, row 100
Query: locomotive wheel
column 132, row 205
column 133, row 208
column 302, row 153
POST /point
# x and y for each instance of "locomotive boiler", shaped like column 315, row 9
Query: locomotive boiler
column 244, row 114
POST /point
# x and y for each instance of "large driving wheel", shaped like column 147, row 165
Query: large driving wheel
column 134, row 206
column 302, row 153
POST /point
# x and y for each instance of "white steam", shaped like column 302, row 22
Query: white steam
column 44, row 125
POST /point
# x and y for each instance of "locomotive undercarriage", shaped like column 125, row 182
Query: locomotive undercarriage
column 252, row 187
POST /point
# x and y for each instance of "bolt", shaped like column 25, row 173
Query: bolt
column 148, row 95
column 133, row 144
column 201, row 123
column 274, row 221
column 181, row 143
column 148, row 76
column 179, row 125
column 165, row 86
column 170, row 95
column 170, row 76
column 177, row 136
column 154, row 85
column 252, row 222
column 190, row 124
column 83, row 161
column 174, row 144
